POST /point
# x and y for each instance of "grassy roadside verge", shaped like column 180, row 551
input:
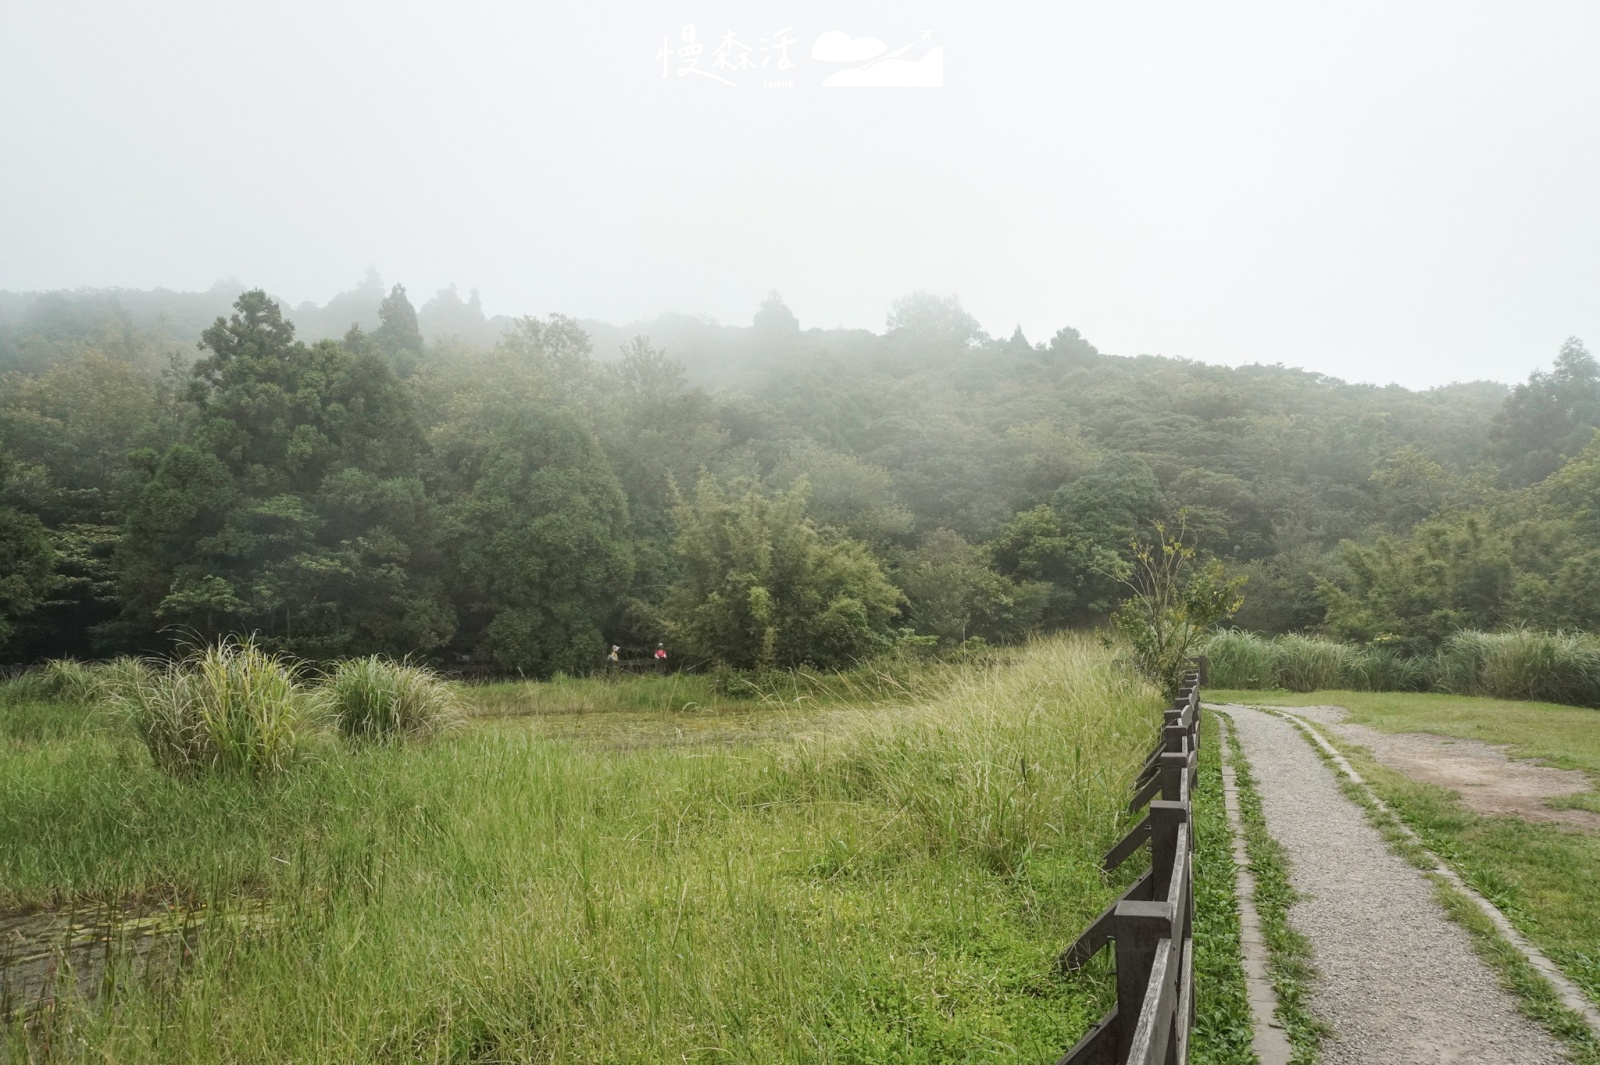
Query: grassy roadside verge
column 1289, row 957
column 1222, row 1033
column 1395, row 800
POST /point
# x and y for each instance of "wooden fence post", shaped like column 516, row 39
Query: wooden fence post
column 1140, row 928
column 1152, row 925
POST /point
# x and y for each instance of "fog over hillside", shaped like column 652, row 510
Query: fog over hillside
column 1380, row 192
column 715, row 354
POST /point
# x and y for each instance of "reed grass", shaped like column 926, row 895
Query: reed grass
column 69, row 681
column 228, row 708
column 890, row 680
column 603, row 693
column 1553, row 667
column 1306, row 664
column 377, row 699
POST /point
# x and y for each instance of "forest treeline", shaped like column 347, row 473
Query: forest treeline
column 525, row 493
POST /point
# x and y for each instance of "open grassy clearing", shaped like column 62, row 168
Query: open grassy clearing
column 1541, row 876
column 892, row 885
column 888, row 680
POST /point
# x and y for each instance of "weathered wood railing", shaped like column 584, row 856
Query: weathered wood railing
column 1152, row 925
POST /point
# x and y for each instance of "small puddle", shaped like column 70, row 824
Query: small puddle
column 50, row 954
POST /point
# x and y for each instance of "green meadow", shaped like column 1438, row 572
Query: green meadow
column 579, row 871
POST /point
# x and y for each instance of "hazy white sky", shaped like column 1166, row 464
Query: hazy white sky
column 1384, row 191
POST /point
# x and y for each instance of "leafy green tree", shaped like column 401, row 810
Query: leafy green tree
column 659, row 434
column 1411, row 486
column 1284, row 586
column 1034, row 547
column 1069, row 348
column 763, row 588
column 294, row 507
column 853, row 497
column 71, row 429
column 398, row 335
column 936, row 320
column 1074, row 543
column 1550, row 417
column 775, row 318
column 952, row 593
column 1573, row 493
column 1039, row 458
column 27, row 562
column 1175, row 601
column 539, row 538
column 1452, row 574
column 177, row 533
column 557, row 351
column 1554, row 538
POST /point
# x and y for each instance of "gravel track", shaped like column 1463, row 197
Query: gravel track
column 1399, row 983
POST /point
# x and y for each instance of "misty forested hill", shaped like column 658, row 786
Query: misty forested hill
column 522, row 491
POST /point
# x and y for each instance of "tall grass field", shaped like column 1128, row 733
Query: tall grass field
column 1554, row 667
column 879, row 881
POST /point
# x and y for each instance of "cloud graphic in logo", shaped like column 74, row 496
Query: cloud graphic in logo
column 838, row 47
column 925, row 73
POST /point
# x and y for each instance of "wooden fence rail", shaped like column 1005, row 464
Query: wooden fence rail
column 1151, row 927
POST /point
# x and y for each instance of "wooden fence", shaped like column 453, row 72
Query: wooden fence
column 1152, row 925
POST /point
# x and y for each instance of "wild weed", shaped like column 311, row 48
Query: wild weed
column 1557, row 667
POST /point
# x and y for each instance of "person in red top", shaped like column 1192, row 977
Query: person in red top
column 661, row 657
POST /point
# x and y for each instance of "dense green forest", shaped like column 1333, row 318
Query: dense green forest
column 366, row 477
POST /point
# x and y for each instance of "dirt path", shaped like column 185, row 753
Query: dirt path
column 1489, row 781
column 1399, row 983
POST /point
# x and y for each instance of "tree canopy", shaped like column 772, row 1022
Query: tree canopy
column 524, row 492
